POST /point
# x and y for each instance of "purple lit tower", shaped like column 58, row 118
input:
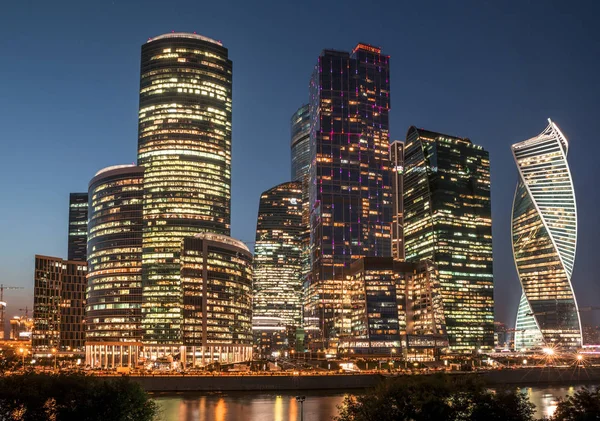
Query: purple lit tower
column 350, row 181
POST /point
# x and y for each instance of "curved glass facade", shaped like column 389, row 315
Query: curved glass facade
column 216, row 276
column 527, row 333
column 114, row 292
column 544, row 234
column 278, row 255
column 300, row 125
column 185, row 146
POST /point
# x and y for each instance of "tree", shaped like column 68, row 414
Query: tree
column 437, row 397
column 584, row 405
column 32, row 397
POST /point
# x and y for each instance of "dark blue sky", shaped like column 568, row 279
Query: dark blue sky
column 491, row 71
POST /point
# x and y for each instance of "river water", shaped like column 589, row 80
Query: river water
column 319, row 405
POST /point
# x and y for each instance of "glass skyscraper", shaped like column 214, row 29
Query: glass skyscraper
column 300, row 129
column 185, row 146
column 78, row 215
column 114, row 292
column 397, row 166
column 278, row 255
column 447, row 219
column 216, row 276
column 544, row 235
column 350, row 186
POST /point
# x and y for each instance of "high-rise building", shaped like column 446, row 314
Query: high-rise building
column 397, row 166
column 350, row 186
column 300, row 129
column 114, row 293
column 447, row 219
column 185, row 147
column 216, row 276
column 278, row 255
column 544, row 235
column 58, row 305
column 78, row 216
column 396, row 308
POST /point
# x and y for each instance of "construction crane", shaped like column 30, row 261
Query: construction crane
column 26, row 310
column 3, row 305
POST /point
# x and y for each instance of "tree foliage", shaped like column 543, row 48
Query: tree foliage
column 584, row 405
column 439, row 397
column 73, row 397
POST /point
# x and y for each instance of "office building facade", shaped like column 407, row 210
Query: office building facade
column 300, row 145
column 58, row 305
column 78, row 216
column 396, row 310
column 114, row 293
column 185, row 147
column 447, row 219
column 350, row 187
column 278, row 254
column 397, row 167
column 216, row 277
column 544, row 235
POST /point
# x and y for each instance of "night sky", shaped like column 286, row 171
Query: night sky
column 491, row 71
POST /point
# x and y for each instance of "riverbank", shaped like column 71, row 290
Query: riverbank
column 537, row 376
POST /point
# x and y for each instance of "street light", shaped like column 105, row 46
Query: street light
column 301, row 399
column 54, row 352
column 22, row 351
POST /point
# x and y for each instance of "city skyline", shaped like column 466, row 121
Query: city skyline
column 50, row 241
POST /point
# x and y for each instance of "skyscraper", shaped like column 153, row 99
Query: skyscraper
column 278, row 254
column 397, row 165
column 78, row 215
column 447, row 219
column 58, row 305
column 216, row 276
column 185, row 146
column 350, row 187
column 300, row 129
column 114, row 299
column 544, row 235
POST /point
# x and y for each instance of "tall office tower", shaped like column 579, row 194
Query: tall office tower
column 278, row 255
column 397, row 165
column 350, row 186
column 300, row 134
column 544, row 234
column 216, row 275
column 114, row 293
column 447, row 219
column 300, row 129
column 185, row 146
column 58, row 305
column 78, row 216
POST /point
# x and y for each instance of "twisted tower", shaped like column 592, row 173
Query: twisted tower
column 544, row 235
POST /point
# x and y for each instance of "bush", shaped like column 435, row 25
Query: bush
column 73, row 397
column 438, row 397
column 584, row 405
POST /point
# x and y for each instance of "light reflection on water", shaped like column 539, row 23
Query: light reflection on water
column 319, row 405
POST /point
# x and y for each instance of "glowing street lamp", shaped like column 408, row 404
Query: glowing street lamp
column 22, row 351
column 55, row 353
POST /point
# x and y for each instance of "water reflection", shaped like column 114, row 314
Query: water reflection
column 319, row 405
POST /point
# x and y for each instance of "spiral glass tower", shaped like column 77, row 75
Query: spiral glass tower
column 544, row 235
column 185, row 147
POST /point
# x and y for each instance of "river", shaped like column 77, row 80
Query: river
column 319, row 406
